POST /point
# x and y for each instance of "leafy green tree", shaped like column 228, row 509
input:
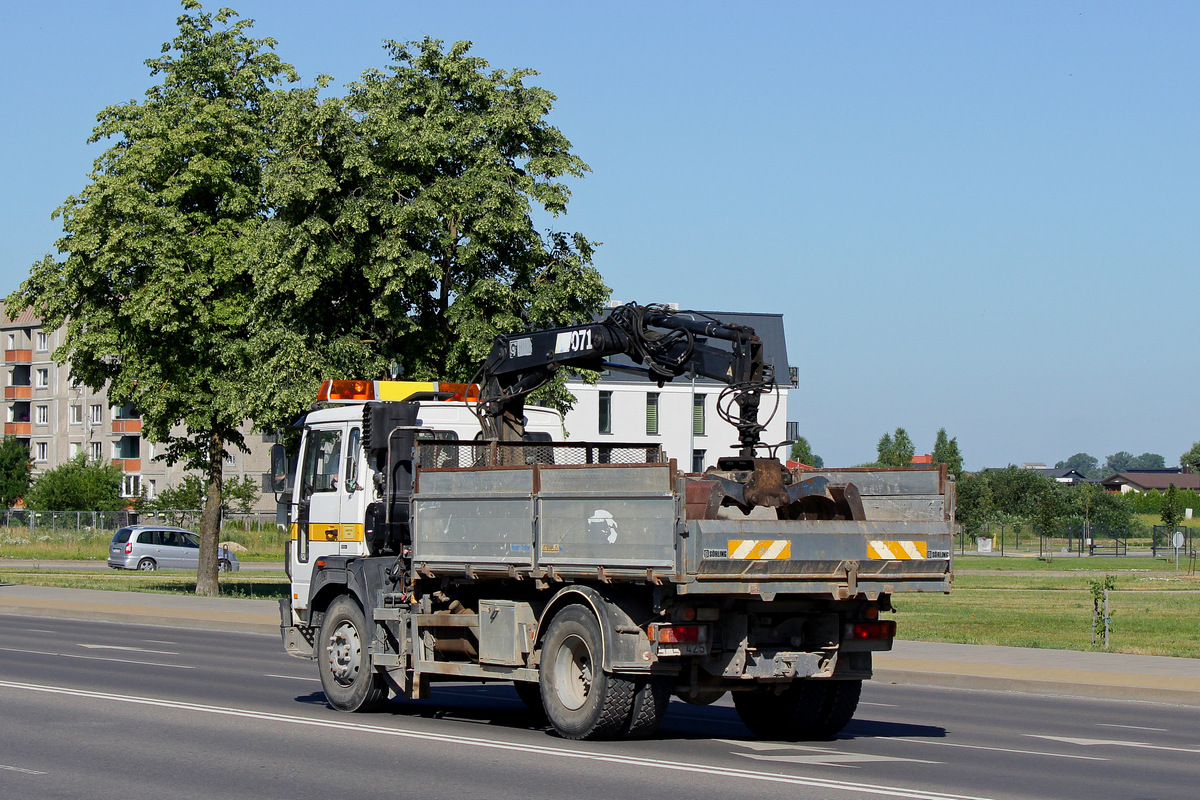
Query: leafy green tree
column 242, row 494
column 1118, row 462
column 975, row 503
column 802, row 452
column 895, row 449
column 403, row 231
column 1086, row 465
column 945, row 451
column 1148, row 461
column 78, row 485
column 155, row 280
column 186, row 495
column 16, row 467
column 1191, row 458
column 1018, row 491
column 1172, row 508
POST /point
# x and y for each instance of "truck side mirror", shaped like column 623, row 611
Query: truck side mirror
column 279, row 469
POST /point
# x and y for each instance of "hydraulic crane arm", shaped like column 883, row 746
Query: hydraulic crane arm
column 664, row 341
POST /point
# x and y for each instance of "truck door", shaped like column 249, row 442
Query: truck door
column 318, row 518
column 352, row 497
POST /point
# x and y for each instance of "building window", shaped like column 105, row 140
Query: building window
column 152, row 451
column 652, row 413
column 43, row 450
column 43, row 415
column 231, row 460
column 698, row 460
column 42, row 343
column 97, row 413
column 96, row 451
column 131, row 486
column 698, row 415
column 76, row 417
column 12, row 341
column 605, row 421
column 151, row 488
column 76, row 449
column 43, row 378
column 793, row 430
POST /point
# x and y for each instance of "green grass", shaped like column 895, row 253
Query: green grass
column 256, row 586
column 263, row 543
column 1062, row 563
column 1055, row 611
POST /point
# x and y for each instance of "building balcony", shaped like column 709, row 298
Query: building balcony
column 126, row 426
column 17, row 429
column 18, row 356
column 128, row 464
column 18, row 392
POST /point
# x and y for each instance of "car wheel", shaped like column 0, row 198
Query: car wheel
column 147, row 565
column 582, row 701
column 224, row 566
column 349, row 681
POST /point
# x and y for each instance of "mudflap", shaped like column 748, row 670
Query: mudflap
column 297, row 640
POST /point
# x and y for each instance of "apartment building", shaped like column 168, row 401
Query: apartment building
column 59, row 419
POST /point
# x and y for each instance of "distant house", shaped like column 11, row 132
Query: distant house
column 1066, row 475
column 1155, row 480
column 918, row 460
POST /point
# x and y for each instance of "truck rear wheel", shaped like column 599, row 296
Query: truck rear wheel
column 807, row 709
column 349, row 681
column 651, row 696
column 582, row 701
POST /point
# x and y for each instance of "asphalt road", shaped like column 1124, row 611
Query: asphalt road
column 126, row 711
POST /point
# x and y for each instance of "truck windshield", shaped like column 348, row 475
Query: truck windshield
column 322, row 454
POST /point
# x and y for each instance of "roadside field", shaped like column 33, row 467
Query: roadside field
column 252, row 586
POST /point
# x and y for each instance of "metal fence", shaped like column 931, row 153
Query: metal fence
column 22, row 524
column 1164, row 536
column 1016, row 538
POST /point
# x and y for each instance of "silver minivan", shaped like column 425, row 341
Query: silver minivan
column 151, row 547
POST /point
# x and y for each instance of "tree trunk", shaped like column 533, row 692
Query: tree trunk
column 210, row 520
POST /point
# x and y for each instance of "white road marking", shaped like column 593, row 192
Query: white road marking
column 38, row 630
column 293, row 677
column 1130, row 727
column 816, row 756
column 127, row 649
column 880, row 705
column 1004, row 750
column 1112, row 743
column 158, row 641
column 27, row 651
column 522, row 747
column 21, row 769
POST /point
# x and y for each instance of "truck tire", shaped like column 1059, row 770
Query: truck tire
column 349, row 681
column 531, row 695
column 807, row 709
column 582, row 701
column 651, row 696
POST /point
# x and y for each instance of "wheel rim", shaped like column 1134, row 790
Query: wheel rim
column 223, row 566
column 573, row 672
column 146, row 566
column 344, row 653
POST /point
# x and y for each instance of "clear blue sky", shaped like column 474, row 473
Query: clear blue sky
column 977, row 216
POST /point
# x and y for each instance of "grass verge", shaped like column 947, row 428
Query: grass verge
column 254, row 586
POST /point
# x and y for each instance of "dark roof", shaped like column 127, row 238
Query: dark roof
column 1157, row 480
column 1062, row 472
column 768, row 327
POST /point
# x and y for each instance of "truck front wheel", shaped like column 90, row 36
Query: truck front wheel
column 807, row 709
column 349, row 682
column 582, row 701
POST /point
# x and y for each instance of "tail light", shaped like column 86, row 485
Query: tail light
column 872, row 629
column 128, row 548
column 674, row 634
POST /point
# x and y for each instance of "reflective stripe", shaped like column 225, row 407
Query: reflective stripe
column 349, row 532
column 760, row 549
column 903, row 550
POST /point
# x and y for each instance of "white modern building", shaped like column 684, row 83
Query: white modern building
column 683, row 414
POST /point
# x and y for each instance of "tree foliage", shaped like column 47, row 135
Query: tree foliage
column 895, row 449
column 1172, row 508
column 1086, row 465
column 802, row 452
column 404, row 233
column 945, row 451
column 78, row 485
column 16, row 467
column 238, row 494
column 1013, row 495
column 155, row 281
column 1191, row 458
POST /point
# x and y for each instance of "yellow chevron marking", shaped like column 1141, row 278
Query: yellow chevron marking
column 904, row 550
column 760, row 549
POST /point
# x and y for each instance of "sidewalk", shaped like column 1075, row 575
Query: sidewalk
column 1054, row 672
